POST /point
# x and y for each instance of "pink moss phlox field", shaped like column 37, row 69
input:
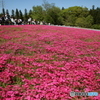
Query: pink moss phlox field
column 39, row 62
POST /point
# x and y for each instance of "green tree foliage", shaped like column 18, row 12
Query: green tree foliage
column 84, row 12
column 13, row 13
column 89, row 21
column 54, row 14
column 72, row 14
column 84, row 22
column 95, row 13
column 25, row 15
column 48, row 13
column 80, row 22
column 3, row 11
column 7, row 12
column 20, row 14
column 63, row 8
column 38, row 13
column 98, row 15
column 30, row 13
column 17, row 14
column 1, row 15
column 96, row 26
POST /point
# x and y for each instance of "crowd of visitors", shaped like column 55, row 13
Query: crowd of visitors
column 10, row 20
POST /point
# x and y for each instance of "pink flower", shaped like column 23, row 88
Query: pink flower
column 47, row 62
column 28, row 98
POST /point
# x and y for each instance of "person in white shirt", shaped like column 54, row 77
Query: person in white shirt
column 29, row 21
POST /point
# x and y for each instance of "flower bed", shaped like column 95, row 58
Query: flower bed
column 39, row 62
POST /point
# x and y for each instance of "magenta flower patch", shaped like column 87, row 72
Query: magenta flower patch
column 39, row 62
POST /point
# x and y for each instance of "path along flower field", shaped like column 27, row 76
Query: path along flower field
column 39, row 62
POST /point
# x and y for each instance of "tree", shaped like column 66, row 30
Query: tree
column 30, row 13
column 38, row 13
column 20, row 14
column 63, row 8
column 71, row 20
column 53, row 16
column 17, row 14
column 89, row 21
column 25, row 15
column 48, row 13
column 7, row 12
column 46, row 6
column 80, row 22
column 0, row 14
column 71, row 14
column 13, row 13
column 95, row 13
column 84, row 22
column 93, row 7
column 3, row 11
column 84, row 13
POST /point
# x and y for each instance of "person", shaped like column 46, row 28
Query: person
column 7, row 19
column 41, row 23
column 12, row 20
column 29, row 21
column 19, row 21
column 38, row 22
column 16, row 21
column 3, row 20
column 34, row 22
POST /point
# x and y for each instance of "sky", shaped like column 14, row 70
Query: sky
column 28, row 4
